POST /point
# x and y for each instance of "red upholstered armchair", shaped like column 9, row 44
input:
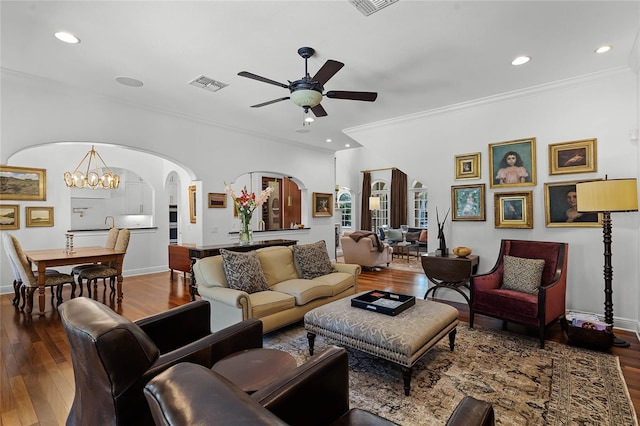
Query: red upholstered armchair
column 538, row 310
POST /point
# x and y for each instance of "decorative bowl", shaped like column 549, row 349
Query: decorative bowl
column 462, row 251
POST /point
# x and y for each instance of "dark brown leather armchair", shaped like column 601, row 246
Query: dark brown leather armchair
column 316, row 393
column 537, row 310
column 113, row 358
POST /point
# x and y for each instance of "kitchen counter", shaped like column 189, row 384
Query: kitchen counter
column 106, row 229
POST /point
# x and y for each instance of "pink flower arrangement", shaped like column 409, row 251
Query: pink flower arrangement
column 247, row 202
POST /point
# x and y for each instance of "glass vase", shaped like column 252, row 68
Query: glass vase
column 246, row 234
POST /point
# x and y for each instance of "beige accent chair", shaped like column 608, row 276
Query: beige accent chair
column 364, row 253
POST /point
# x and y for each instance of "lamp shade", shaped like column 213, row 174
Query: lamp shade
column 615, row 195
column 374, row 203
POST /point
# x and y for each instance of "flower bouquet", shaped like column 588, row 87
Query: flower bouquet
column 245, row 204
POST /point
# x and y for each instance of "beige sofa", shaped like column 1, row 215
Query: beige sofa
column 364, row 253
column 288, row 299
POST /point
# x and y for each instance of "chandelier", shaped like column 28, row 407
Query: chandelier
column 92, row 177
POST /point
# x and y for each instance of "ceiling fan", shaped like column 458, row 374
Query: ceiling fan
column 307, row 92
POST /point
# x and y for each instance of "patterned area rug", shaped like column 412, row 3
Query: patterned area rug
column 558, row 385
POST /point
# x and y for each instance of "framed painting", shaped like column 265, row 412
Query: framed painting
column 192, row 203
column 39, row 216
column 322, row 204
column 467, row 166
column 560, row 201
column 573, row 157
column 513, row 163
column 9, row 216
column 23, row 183
column 468, row 202
column 217, row 200
column 513, row 209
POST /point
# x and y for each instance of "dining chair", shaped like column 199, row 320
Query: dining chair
column 105, row 270
column 27, row 280
column 112, row 237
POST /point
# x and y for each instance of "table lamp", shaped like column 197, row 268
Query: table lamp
column 606, row 196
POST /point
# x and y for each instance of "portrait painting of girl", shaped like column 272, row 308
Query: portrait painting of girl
column 513, row 163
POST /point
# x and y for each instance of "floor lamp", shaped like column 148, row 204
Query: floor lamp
column 374, row 205
column 606, row 196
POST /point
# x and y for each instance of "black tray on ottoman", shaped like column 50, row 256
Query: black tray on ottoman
column 384, row 302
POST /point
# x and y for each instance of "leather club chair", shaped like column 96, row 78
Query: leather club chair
column 114, row 358
column 536, row 310
column 316, row 393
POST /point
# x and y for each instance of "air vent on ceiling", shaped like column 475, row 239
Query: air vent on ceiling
column 367, row 7
column 207, row 83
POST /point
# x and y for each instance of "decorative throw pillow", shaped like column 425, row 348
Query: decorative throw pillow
column 313, row 260
column 243, row 271
column 423, row 236
column 394, row 235
column 522, row 274
column 413, row 236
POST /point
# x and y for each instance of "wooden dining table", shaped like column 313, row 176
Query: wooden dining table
column 44, row 259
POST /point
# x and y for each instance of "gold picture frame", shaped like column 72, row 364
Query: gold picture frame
column 217, row 200
column 9, row 216
column 522, row 173
column 560, row 200
column 39, row 216
column 23, row 183
column 192, row 203
column 467, row 166
column 467, row 202
column 513, row 209
column 322, row 204
column 573, row 157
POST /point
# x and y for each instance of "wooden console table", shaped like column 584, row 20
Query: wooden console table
column 198, row 252
column 449, row 271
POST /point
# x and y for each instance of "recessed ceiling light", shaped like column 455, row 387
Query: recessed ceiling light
column 520, row 60
column 129, row 81
column 603, row 49
column 67, row 37
column 347, row 145
column 328, row 140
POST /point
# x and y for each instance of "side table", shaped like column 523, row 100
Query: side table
column 449, row 271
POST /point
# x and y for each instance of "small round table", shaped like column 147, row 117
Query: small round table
column 253, row 369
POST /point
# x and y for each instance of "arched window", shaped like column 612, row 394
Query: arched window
column 419, row 210
column 380, row 217
column 344, row 203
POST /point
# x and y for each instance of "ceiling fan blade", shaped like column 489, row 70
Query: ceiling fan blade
column 318, row 111
column 328, row 70
column 354, row 96
column 263, row 79
column 269, row 102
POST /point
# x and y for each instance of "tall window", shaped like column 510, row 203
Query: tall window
column 420, row 218
column 380, row 217
column 344, row 203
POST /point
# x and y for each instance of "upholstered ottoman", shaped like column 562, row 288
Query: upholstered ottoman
column 401, row 339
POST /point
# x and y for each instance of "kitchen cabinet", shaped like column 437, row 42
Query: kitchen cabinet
column 138, row 198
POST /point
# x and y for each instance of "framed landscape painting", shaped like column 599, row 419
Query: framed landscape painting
column 467, row 166
column 573, row 157
column 512, row 163
column 560, row 207
column 513, row 209
column 217, row 200
column 23, row 183
column 39, row 216
column 9, row 216
column 468, row 202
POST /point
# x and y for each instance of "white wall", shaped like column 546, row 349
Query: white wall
column 36, row 111
column 424, row 145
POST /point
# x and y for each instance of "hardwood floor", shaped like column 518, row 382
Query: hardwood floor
column 36, row 379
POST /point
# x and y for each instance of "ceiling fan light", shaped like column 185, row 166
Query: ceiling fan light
column 306, row 98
